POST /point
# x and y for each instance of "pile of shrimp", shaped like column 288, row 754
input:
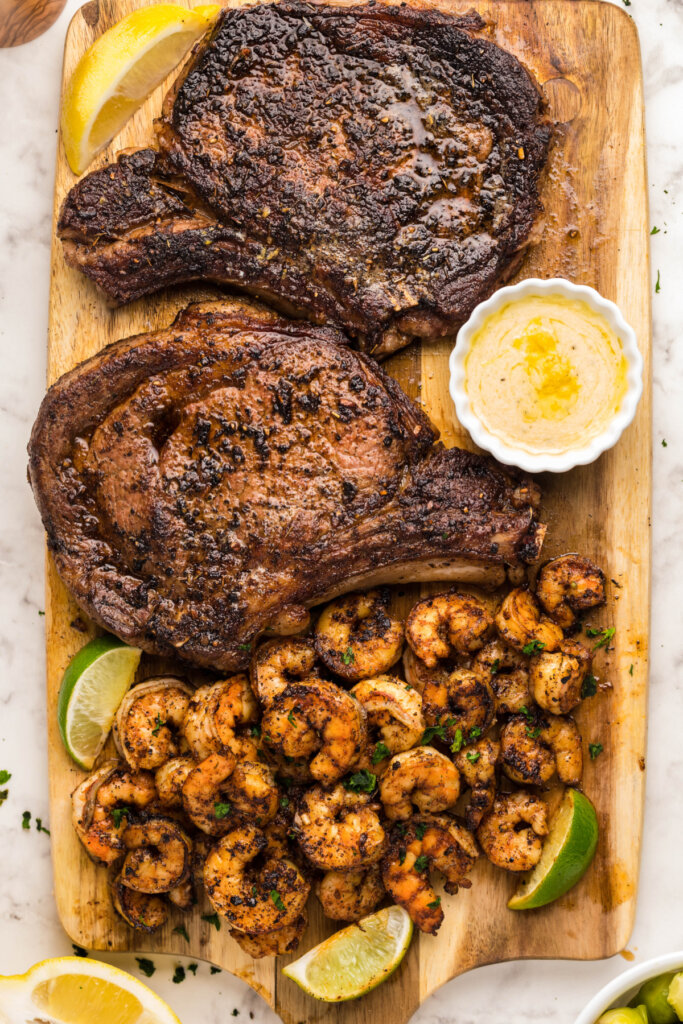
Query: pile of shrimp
column 363, row 760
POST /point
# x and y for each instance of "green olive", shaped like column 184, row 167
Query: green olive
column 653, row 995
column 625, row 1015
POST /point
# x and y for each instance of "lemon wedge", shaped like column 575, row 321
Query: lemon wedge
column 75, row 990
column 118, row 72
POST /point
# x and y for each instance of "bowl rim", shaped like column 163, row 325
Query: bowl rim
column 564, row 461
column 627, row 983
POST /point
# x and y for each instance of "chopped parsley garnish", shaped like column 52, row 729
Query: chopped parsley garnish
column 244, row 647
column 221, row 810
column 277, row 899
column 495, row 666
column 4, row 777
column 658, row 285
column 592, row 631
column 605, row 637
column 420, row 830
column 182, row 931
column 435, row 903
column 527, row 714
column 432, row 731
column 41, row 828
column 348, row 656
column 26, row 819
column 118, row 813
column 630, row 671
column 212, row 919
column 255, row 731
column 78, row 950
column 291, row 719
column 178, row 975
column 215, row 970
column 284, row 802
column 401, row 856
column 421, row 862
column 193, row 968
column 401, row 828
column 589, row 687
column 473, row 756
column 475, row 733
column 235, row 1012
column 457, row 741
column 595, row 749
column 380, row 752
column 655, row 231
column 533, row 734
column 361, row 782
column 533, row 647
column 157, row 725
column 147, row 967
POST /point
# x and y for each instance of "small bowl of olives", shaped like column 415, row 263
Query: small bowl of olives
column 650, row 993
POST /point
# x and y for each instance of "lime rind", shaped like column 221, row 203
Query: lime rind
column 567, row 854
column 356, row 959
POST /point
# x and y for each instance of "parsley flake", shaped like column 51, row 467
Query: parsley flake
column 605, row 637
column 380, row 752
column 78, row 950
column 158, row 725
column 495, row 666
column 421, row 862
column 146, row 966
column 361, row 782
column 475, row 733
column 215, row 970
column 244, row 647
column 420, row 829
column 41, row 828
column 589, row 687
column 431, row 732
column 118, row 813
column 655, row 231
column 221, row 810
column 658, row 285
column 533, row 647
column 630, row 671
column 4, row 777
column 277, row 899
column 212, row 919
column 178, row 975
column 348, row 656
column 595, row 749
column 435, row 903
column 284, row 802
column 193, row 968
column 473, row 756
column 26, row 819
column 291, row 719
column 457, row 741
column 182, row 931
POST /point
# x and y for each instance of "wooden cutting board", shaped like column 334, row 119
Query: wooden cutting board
column 586, row 55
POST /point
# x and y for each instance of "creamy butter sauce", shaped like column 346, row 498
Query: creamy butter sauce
column 545, row 374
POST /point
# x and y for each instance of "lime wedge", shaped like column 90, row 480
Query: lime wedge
column 675, row 995
column 356, row 959
column 567, row 854
column 93, row 686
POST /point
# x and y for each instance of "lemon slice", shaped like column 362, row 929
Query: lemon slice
column 93, row 686
column 118, row 72
column 567, row 854
column 75, row 990
column 356, row 959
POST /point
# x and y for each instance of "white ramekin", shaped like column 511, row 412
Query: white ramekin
column 516, row 456
column 622, row 989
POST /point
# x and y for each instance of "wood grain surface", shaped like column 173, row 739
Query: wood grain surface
column 24, row 20
column 586, row 55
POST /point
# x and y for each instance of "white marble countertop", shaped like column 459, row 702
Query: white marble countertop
column 515, row 993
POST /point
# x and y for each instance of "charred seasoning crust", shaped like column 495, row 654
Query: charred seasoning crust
column 373, row 167
column 200, row 481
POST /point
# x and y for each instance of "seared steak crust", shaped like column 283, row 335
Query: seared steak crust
column 202, row 482
column 374, row 167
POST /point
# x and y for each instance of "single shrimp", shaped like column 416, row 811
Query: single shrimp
column 350, row 895
column 507, row 671
column 463, row 705
column 142, row 911
column 477, row 765
column 219, row 787
column 158, row 857
column 424, row 844
column 277, row 663
column 170, row 779
column 569, row 585
column 418, row 675
column 216, row 715
column 148, row 723
column 557, row 677
column 255, row 897
column 447, row 624
column 422, row 777
column 394, row 713
column 339, row 829
column 356, row 636
column 533, row 749
column 316, row 717
column 183, row 895
column 521, row 624
column 276, row 943
column 102, row 804
column 511, row 833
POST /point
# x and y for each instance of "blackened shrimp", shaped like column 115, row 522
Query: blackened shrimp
column 356, row 636
column 507, row 671
column 158, row 857
column 421, row 778
column 102, row 805
column 277, row 663
column 149, row 720
column 394, row 714
column 569, row 585
column 418, row 675
column 275, row 943
column 142, row 911
column 511, row 834
column 463, row 705
column 170, row 779
column 446, row 625
column 219, row 717
column 218, row 788
column 521, row 623
column 534, row 748
column 477, row 765
column 424, row 844
column 339, row 829
column 350, row 895
column 557, row 677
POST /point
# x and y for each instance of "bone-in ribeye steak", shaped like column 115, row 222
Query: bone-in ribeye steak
column 371, row 167
column 201, row 483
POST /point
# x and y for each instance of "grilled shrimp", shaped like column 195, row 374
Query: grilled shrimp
column 338, row 829
column 170, row 779
column 463, row 704
column 95, row 802
column 393, row 711
column 440, row 627
column 422, row 777
column 556, row 677
column 511, row 833
column 520, row 622
column 533, row 749
column 158, row 857
column 316, row 717
column 147, row 730
column 144, row 912
column 218, row 786
column 277, row 663
column 357, row 638
column 282, row 940
column 569, row 585
column 254, row 897
column 427, row 843
column 215, row 716
column 350, row 895
column 507, row 670
column 418, row 675
column 477, row 766
column 183, row 896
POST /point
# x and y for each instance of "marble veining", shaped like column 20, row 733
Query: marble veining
column 514, row 993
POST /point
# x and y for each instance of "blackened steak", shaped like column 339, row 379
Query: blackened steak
column 203, row 482
column 372, row 167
